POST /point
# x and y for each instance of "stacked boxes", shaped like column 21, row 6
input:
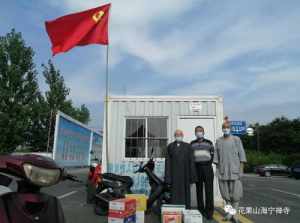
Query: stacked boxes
column 192, row 216
column 172, row 213
column 141, row 206
column 122, row 211
column 141, row 201
column 178, row 214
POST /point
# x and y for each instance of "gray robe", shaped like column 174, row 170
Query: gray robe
column 228, row 156
column 180, row 172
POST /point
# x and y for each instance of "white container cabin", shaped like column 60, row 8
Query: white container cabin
column 138, row 124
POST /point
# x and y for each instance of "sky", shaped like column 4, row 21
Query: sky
column 246, row 51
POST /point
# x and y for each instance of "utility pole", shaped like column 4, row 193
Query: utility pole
column 257, row 137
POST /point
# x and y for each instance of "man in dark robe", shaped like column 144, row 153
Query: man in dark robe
column 180, row 170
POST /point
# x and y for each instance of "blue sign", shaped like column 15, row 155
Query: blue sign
column 238, row 127
column 97, row 145
column 72, row 147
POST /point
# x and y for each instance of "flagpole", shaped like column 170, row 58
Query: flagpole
column 106, row 104
column 106, row 107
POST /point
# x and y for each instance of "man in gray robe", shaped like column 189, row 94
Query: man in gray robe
column 180, row 170
column 230, row 158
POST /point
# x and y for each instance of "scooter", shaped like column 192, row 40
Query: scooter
column 114, row 186
column 111, row 187
column 159, row 192
column 93, row 180
column 21, row 180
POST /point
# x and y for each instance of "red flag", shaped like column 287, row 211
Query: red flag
column 79, row 29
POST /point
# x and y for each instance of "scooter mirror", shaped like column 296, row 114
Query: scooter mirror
column 96, row 159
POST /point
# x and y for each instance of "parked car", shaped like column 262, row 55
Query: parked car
column 272, row 169
column 295, row 170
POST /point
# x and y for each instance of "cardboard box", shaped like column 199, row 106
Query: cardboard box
column 120, row 214
column 171, row 208
column 141, row 201
column 172, row 218
column 192, row 216
column 129, row 219
column 172, row 213
column 122, row 205
column 140, row 217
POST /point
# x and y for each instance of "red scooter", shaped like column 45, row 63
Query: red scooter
column 21, row 179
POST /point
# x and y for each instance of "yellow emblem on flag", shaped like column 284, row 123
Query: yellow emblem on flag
column 98, row 15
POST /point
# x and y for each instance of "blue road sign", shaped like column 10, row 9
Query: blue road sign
column 238, row 127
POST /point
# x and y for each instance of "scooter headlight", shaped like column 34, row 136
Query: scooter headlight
column 41, row 176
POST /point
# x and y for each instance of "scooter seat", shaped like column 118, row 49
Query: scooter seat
column 124, row 179
column 111, row 184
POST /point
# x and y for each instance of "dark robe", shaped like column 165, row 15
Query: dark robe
column 180, row 172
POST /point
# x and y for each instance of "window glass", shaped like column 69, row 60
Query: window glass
column 139, row 141
column 135, row 148
column 157, row 127
column 158, row 146
column 135, row 138
column 135, row 128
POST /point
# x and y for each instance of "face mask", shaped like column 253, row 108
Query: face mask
column 226, row 132
column 178, row 138
column 199, row 135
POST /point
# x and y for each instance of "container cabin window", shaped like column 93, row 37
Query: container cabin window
column 144, row 135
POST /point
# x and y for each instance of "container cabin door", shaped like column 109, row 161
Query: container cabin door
column 187, row 125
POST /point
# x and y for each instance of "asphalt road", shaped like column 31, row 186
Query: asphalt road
column 259, row 192
column 280, row 196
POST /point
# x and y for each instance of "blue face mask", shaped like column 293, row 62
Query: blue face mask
column 226, row 132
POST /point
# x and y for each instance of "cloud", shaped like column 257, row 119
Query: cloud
column 244, row 51
column 273, row 87
column 191, row 46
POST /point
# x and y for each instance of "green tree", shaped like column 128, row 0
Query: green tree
column 26, row 115
column 57, row 95
column 56, row 98
column 282, row 136
column 81, row 114
column 19, row 92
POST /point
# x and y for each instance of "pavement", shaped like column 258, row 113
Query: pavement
column 277, row 197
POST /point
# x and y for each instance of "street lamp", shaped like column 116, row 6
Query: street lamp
column 250, row 132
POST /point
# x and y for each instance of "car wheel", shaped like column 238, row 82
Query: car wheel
column 267, row 174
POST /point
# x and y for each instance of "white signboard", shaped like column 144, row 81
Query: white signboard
column 195, row 106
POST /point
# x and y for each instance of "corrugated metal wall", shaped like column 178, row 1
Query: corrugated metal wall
column 120, row 108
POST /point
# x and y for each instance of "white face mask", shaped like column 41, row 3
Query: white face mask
column 199, row 135
column 178, row 138
column 226, row 131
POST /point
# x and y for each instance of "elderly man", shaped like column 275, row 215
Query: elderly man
column 230, row 158
column 179, row 170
